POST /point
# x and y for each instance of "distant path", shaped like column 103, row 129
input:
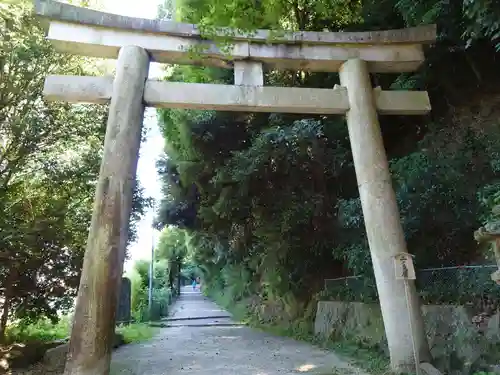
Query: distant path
column 205, row 341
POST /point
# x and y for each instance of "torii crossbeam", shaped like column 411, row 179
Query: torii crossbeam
column 136, row 42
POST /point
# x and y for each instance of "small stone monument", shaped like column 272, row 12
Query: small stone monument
column 123, row 312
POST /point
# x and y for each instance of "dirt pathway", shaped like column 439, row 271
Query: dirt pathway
column 203, row 340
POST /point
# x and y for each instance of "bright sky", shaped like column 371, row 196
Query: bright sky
column 152, row 149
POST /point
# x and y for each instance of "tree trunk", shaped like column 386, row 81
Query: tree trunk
column 6, row 306
column 178, row 279
column 171, row 276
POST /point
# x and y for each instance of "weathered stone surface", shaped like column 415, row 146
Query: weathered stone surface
column 21, row 355
column 55, row 358
column 245, row 98
column 384, row 232
column 70, row 13
column 453, row 338
column 98, row 293
column 78, row 89
column 94, row 41
column 92, row 33
column 429, row 369
column 346, row 319
column 159, row 94
column 450, row 332
column 248, row 73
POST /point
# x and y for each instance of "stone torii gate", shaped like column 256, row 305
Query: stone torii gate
column 135, row 42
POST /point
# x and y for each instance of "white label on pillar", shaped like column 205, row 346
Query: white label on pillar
column 403, row 265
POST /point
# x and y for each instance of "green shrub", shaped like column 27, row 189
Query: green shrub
column 161, row 301
column 140, row 313
column 162, row 298
column 43, row 330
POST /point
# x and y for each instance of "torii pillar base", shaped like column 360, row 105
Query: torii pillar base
column 382, row 221
column 95, row 314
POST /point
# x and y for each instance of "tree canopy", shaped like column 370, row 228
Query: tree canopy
column 49, row 164
column 270, row 202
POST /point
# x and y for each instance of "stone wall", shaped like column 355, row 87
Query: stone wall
column 461, row 341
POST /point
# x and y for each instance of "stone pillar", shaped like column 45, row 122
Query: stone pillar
column 382, row 221
column 95, row 314
column 248, row 73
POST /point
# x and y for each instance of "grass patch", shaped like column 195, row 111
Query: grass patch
column 136, row 332
column 45, row 331
column 367, row 358
column 41, row 331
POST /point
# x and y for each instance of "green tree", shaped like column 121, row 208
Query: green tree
column 172, row 251
column 269, row 202
column 49, row 164
column 161, row 293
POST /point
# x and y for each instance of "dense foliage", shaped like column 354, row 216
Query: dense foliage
column 270, row 202
column 169, row 255
column 49, row 164
column 162, row 294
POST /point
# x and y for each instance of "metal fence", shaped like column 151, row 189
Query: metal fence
column 445, row 285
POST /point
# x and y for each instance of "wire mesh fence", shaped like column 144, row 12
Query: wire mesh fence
column 445, row 285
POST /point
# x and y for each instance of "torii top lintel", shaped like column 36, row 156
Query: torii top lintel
column 89, row 32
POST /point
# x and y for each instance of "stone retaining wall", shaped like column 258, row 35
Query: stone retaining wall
column 458, row 337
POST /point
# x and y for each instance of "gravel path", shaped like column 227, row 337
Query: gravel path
column 202, row 340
